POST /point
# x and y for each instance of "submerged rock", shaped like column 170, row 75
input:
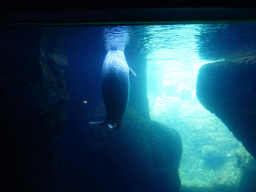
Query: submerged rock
column 145, row 154
column 228, row 89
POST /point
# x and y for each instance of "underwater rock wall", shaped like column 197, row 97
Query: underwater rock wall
column 228, row 89
column 34, row 97
column 143, row 155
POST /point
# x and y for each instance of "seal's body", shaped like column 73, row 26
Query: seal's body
column 115, row 87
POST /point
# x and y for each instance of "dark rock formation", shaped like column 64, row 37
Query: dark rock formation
column 33, row 103
column 228, row 89
column 145, row 154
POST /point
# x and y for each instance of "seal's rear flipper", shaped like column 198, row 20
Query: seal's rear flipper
column 98, row 122
column 114, row 126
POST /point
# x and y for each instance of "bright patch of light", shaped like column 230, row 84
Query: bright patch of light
column 172, row 58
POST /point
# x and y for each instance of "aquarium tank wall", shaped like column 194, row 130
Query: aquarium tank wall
column 152, row 107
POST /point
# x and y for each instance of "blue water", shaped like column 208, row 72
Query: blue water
column 173, row 53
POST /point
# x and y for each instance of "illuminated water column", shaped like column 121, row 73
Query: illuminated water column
column 172, row 60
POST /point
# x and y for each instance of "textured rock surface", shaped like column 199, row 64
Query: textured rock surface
column 146, row 154
column 213, row 157
column 33, row 103
column 228, row 89
column 247, row 165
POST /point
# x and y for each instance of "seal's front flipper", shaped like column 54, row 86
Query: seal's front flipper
column 98, row 122
column 132, row 72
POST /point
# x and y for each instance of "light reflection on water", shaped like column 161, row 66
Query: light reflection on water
column 177, row 38
column 171, row 38
column 116, row 38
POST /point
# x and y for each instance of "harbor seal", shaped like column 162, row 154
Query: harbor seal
column 115, row 88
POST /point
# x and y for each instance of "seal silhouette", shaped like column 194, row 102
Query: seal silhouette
column 115, row 88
